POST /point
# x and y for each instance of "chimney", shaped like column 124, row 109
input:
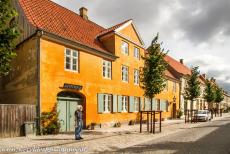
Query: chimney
column 213, row 79
column 83, row 13
column 182, row 61
column 204, row 75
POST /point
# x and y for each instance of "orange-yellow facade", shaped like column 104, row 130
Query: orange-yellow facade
column 53, row 75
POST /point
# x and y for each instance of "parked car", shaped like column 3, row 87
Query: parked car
column 203, row 115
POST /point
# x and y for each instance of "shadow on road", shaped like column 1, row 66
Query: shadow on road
column 218, row 141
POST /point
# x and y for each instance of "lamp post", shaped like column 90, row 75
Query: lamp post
column 174, row 106
column 174, row 99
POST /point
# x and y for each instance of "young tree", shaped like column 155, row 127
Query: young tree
column 8, row 35
column 209, row 93
column 192, row 89
column 152, row 75
column 219, row 95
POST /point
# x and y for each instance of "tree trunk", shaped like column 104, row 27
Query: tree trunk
column 151, row 115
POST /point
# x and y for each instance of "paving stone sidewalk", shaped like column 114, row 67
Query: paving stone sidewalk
column 100, row 139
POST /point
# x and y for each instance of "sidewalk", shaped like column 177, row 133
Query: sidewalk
column 101, row 139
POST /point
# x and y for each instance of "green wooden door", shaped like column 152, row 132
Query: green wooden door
column 61, row 109
column 71, row 105
column 66, row 109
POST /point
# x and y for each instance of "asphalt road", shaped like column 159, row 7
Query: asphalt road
column 209, row 138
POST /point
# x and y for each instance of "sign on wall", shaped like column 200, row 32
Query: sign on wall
column 72, row 86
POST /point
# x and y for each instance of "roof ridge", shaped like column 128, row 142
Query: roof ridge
column 112, row 28
column 121, row 23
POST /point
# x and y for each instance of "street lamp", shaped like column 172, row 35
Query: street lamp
column 174, row 99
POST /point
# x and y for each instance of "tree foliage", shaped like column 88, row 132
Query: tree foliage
column 8, row 35
column 219, row 95
column 209, row 91
column 152, row 75
column 192, row 89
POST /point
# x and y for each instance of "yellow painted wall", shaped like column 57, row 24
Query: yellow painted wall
column 169, row 95
column 130, row 32
column 54, row 75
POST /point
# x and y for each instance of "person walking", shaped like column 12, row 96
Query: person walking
column 78, row 122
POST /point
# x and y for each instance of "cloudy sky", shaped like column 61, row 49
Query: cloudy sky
column 197, row 31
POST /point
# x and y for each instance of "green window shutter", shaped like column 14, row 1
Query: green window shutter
column 119, row 104
column 131, row 104
column 147, row 104
column 100, row 103
column 141, row 104
column 163, row 105
column 114, row 103
column 154, row 104
column 167, row 106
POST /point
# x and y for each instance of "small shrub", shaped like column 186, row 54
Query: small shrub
column 117, row 124
column 50, row 123
column 179, row 113
column 131, row 122
column 93, row 124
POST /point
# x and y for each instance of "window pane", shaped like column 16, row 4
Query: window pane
column 67, row 63
column 104, row 71
column 74, row 61
column 124, row 47
column 74, row 67
column 67, row 66
column 68, row 52
column 74, row 53
column 67, row 59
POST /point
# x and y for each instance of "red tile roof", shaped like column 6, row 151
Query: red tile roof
column 53, row 18
column 111, row 29
column 180, row 68
column 170, row 75
column 202, row 79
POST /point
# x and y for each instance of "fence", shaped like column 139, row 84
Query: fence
column 12, row 118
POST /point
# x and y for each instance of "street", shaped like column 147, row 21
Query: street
column 212, row 137
column 176, row 137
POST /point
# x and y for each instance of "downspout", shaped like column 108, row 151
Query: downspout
column 39, row 35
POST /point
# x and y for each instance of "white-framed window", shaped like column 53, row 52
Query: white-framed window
column 136, row 104
column 125, row 48
column 107, row 101
column 71, row 60
column 125, row 73
column 136, row 52
column 124, row 102
column 107, row 69
column 174, row 86
column 136, row 76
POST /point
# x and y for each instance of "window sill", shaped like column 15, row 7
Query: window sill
column 123, row 111
column 76, row 72
column 106, row 112
column 107, row 78
column 125, row 81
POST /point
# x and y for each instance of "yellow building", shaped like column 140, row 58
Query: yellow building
column 65, row 59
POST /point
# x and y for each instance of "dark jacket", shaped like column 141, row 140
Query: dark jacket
column 78, row 118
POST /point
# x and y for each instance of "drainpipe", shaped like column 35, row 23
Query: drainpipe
column 38, row 114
